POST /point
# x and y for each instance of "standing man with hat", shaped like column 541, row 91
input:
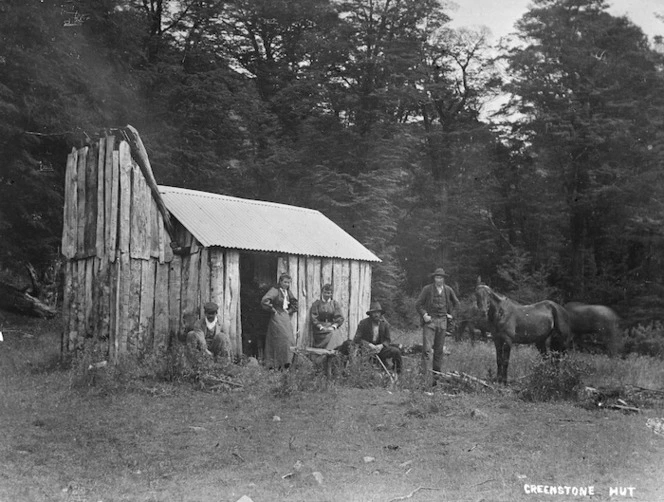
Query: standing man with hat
column 373, row 336
column 206, row 333
column 435, row 305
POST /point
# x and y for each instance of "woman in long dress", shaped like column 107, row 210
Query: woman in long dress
column 282, row 303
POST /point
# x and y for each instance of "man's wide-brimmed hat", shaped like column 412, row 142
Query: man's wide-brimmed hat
column 439, row 271
column 211, row 308
column 375, row 307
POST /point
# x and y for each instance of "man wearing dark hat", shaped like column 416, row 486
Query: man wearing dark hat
column 373, row 336
column 435, row 305
column 326, row 317
column 206, row 334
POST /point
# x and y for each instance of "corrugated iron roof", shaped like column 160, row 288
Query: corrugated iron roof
column 231, row 222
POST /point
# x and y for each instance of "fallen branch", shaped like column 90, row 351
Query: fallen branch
column 624, row 408
column 12, row 298
column 411, row 493
column 455, row 375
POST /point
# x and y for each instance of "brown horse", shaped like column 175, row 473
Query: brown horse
column 541, row 323
column 594, row 326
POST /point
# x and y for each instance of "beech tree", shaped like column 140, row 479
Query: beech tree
column 585, row 83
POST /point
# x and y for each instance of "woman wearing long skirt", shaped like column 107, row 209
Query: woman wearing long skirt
column 282, row 303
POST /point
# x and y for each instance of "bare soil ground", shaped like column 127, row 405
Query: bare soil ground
column 160, row 441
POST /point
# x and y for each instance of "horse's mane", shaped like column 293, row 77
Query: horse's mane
column 491, row 292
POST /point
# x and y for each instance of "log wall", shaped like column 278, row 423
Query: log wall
column 126, row 292
column 351, row 282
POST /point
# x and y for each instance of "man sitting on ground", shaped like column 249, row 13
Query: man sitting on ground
column 206, row 334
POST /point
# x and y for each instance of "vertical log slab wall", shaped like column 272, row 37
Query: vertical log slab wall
column 351, row 282
column 124, row 290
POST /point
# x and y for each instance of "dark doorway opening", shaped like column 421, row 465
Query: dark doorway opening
column 258, row 273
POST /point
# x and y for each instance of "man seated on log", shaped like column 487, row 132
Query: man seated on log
column 373, row 337
column 205, row 334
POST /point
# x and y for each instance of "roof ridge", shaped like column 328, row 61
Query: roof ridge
column 211, row 195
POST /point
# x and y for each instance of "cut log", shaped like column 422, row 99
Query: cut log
column 16, row 300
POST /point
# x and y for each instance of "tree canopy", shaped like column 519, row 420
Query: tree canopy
column 372, row 111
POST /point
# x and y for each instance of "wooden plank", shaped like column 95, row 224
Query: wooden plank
column 174, row 297
column 69, row 225
column 140, row 213
column 91, row 300
column 91, row 201
column 134, row 306
column 113, row 208
column 122, row 318
column 304, row 297
column 146, row 316
column 313, row 286
column 293, row 271
column 72, row 329
column 124, row 210
column 337, row 266
column 161, row 309
column 82, row 295
column 282, row 267
column 204, row 292
column 340, row 284
column 190, row 302
column 154, row 221
column 167, row 249
column 365, row 269
column 232, row 299
column 217, row 281
column 80, row 196
column 103, row 305
column 108, row 189
column 100, row 244
column 67, row 293
column 354, row 314
column 114, row 307
column 326, row 271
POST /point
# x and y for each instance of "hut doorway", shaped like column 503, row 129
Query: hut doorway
column 257, row 275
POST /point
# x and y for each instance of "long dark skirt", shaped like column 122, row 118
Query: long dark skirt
column 278, row 341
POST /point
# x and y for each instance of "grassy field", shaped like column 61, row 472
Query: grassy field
column 105, row 435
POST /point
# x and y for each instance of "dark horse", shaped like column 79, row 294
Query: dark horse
column 541, row 323
column 594, row 326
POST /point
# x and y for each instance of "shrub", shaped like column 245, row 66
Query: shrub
column 647, row 340
column 553, row 378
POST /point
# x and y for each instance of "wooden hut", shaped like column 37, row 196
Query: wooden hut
column 138, row 256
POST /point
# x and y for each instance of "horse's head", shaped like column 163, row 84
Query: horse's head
column 482, row 298
column 488, row 301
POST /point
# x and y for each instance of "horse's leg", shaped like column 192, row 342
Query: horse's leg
column 507, row 348
column 458, row 333
column 502, row 358
column 541, row 347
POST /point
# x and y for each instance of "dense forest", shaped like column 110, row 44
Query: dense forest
column 374, row 112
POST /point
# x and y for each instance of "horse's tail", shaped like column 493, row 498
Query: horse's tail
column 561, row 324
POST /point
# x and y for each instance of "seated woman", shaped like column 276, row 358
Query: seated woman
column 325, row 318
